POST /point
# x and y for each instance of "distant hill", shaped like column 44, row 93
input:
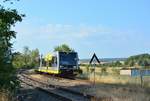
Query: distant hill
column 104, row 60
column 141, row 60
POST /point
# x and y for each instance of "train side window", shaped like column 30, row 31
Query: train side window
column 54, row 62
column 49, row 63
column 43, row 62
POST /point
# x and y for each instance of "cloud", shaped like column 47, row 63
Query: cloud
column 56, row 32
column 80, row 31
column 79, row 37
column 66, row 31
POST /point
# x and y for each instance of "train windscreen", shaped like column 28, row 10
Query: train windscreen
column 68, row 58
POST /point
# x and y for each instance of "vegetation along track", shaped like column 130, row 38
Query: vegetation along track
column 64, row 94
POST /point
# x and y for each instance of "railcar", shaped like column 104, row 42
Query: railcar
column 60, row 63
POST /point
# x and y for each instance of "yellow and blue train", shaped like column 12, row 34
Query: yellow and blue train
column 60, row 63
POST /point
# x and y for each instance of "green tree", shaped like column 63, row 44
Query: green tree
column 141, row 60
column 63, row 48
column 26, row 56
column 18, row 60
column 27, row 59
column 118, row 63
column 35, row 58
column 8, row 18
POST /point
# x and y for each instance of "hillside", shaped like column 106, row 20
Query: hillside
column 104, row 60
column 141, row 60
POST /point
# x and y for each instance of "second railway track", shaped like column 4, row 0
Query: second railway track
column 63, row 94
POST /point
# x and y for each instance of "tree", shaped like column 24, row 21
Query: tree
column 18, row 60
column 26, row 56
column 63, row 48
column 35, row 58
column 118, row 63
column 27, row 59
column 141, row 60
column 8, row 18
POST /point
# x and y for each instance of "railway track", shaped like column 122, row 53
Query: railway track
column 58, row 92
column 30, row 93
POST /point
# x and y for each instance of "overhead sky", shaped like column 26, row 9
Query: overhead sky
column 110, row 28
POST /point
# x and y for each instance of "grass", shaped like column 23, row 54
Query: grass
column 5, row 96
column 111, row 76
column 109, row 84
column 119, row 92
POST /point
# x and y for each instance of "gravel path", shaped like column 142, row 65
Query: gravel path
column 76, row 85
column 28, row 93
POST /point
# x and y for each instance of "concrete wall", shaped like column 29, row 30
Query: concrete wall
column 125, row 72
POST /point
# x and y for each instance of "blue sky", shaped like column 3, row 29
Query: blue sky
column 110, row 28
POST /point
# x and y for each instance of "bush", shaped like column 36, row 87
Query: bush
column 103, row 71
column 116, row 71
column 6, row 95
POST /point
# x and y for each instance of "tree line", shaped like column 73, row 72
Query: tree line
column 27, row 59
column 8, row 18
column 31, row 58
column 141, row 60
column 138, row 60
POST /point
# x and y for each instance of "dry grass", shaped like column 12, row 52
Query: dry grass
column 111, row 79
column 111, row 76
column 5, row 96
column 119, row 93
column 111, row 85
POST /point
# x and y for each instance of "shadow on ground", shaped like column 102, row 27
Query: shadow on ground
column 33, row 94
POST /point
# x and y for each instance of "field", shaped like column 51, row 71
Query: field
column 108, row 83
column 111, row 76
column 119, row 92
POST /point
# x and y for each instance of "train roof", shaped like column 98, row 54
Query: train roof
column 55, row 53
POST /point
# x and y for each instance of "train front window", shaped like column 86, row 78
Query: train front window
column 68, row 59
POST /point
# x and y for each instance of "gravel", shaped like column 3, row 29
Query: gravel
column 28, row 93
